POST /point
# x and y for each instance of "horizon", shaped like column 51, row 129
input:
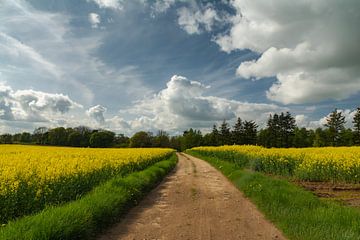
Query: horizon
column 128, row 66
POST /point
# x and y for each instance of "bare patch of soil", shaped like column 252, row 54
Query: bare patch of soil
column 346, row 193
column 194, row 202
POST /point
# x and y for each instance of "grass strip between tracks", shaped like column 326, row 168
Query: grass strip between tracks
column 86, row 217
column 298, row 213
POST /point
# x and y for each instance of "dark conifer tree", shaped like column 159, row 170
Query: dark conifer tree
column 273, row 126
column 335, row 123
column 238, row 132
column 225, row 135
column 356, row 122
column 287, row 126
column 215, row 136
column 250, row 132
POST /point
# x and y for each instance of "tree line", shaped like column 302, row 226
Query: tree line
column 280, row 131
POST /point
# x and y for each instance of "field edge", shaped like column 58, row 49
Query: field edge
column 87, row 217
column 296, row 212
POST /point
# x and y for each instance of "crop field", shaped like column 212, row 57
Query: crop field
column 340, row 164
column 33, row 177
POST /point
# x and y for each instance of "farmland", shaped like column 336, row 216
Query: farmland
column 32, row 178
column 278, row 180
column 67, row 193
column 336, row 164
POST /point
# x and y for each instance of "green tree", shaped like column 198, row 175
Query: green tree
column 301, row 138
column 207, row 140
column 74, row 139
column 191, row 138
column 320, row 138
column 335, row 123
column 25, row 137
column 57, row 136
column 274, row 131
column 263, row 138
column 287, row 126
column 250, row 132
column 121, row 140
column 356, row 122
column 161, row 139
column 6, row 138
column 85, row 135
column 175, row 142
column 141, row 139
column 16, row 137
column 225, row 135
column 102, row 139
column 346, row 137
column 238, row 132
column 214, row 136
column 41, row 135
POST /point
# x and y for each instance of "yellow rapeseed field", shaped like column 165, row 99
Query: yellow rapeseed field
column 32, row 177
column 316, row 164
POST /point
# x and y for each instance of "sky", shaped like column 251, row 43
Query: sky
column 138, row 65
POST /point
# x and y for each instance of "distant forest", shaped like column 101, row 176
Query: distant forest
column 281, row 131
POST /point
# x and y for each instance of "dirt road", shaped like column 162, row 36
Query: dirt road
column 194, row 202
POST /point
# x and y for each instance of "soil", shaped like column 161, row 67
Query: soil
column 345, row 193
column 194, row 202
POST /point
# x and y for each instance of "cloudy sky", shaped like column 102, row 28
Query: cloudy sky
column 165, row 64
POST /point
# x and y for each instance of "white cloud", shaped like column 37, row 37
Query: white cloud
column 118, row 124
column 193, row 21
column 38, row 101
column 94, row 20
column 33, row 106
column 36, row 49
column 311, row 47
column 41, row 50
column 183, row 104
column 161, row 6
column 111, row 4
column 16, row 52
column 180, row 105
column 5, row 103
column 304, row 121
column 97, row 113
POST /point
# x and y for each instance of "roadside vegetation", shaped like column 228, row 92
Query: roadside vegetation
column 335, row 164
column 88, row 216
column 297, row 212
column 33, row 177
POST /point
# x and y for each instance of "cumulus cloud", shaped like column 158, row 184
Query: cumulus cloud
column 94, row 20
column 111, row 4
column 5, row 103
column 302, row 120
column 305, row 121
column 193, row 21
column 97, row 113
column 311, row 47
column 183, row 104
column 31, row 105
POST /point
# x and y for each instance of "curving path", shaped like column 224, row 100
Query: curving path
column 194, row 202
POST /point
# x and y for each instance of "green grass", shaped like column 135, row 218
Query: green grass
column 88, row 216
column 297, row 212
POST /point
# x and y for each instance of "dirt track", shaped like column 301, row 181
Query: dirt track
column 194, row 202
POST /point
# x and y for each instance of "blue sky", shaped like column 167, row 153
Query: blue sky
column 149, row 65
